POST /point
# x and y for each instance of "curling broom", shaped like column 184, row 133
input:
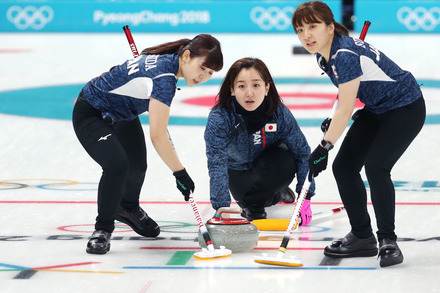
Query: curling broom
column 281, row 224
column 293, row 224
column 209, row 252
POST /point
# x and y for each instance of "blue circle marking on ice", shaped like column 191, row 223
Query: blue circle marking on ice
column 56, row 102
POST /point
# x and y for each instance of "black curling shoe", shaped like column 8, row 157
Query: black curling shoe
column 99, row 242
column 389, row 253
column 352, row 246
column 287, row 195
column 254, row 212
column 139, row 221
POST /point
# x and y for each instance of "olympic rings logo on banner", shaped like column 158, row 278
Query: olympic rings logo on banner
column 272, row 17
column 418, row 18
column 30, row 16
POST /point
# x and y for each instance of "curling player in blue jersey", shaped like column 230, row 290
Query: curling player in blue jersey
column 106, row 122
column 393, row 115
column 254, row 145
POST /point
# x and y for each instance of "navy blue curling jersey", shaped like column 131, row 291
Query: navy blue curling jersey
column 384, row 85
column 124, row 92
column 230, row 146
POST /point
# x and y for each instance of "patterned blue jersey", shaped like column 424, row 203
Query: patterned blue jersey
column 384, row 85
column 124, row 92
column 229, row 145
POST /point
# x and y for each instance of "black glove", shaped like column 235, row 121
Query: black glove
column 317, row 161
column 184, row 183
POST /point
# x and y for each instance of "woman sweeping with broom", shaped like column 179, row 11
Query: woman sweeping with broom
column 393, row 115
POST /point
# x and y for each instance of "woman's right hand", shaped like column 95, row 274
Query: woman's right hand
column 184, row 183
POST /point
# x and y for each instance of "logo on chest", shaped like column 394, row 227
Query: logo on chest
column 259, row 137
column 271, row 127
column 335, row 72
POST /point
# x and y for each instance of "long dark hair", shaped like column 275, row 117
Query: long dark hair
column 202, row 45
column 223, row 99
column 315, row 12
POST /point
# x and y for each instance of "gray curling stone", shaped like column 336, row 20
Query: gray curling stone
column 236, row 234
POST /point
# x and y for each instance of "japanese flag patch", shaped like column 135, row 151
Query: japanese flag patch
column 270, row 127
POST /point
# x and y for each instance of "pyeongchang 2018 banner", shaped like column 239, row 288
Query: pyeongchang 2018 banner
column 398, row 16
column 151, row 16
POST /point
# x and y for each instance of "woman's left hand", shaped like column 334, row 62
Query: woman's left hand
column 317, row 162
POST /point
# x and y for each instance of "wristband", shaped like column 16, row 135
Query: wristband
column 326, row 144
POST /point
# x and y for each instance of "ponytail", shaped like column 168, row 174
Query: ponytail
column 202, row 45
column 166, row 48
column 340, row 28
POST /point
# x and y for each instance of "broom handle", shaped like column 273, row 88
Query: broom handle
column 202, row 226
column 365, row 30
column 130, row 40
column 293, row 223
column 325, row 214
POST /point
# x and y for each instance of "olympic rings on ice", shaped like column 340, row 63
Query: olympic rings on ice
column 88, row 228
column 272, row 17
column 12, row 185
column 418, row 18
column 48, row 184
column 165, row 226
column 30, row 16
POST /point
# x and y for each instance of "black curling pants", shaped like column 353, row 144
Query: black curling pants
column 376, row 142
column 272, row 171
column 121, row 152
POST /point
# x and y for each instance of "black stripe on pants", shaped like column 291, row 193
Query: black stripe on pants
column 376, row 142
column 121, row 152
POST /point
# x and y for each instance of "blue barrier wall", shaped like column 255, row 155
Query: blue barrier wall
column 397, row 16
column 213, row 16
